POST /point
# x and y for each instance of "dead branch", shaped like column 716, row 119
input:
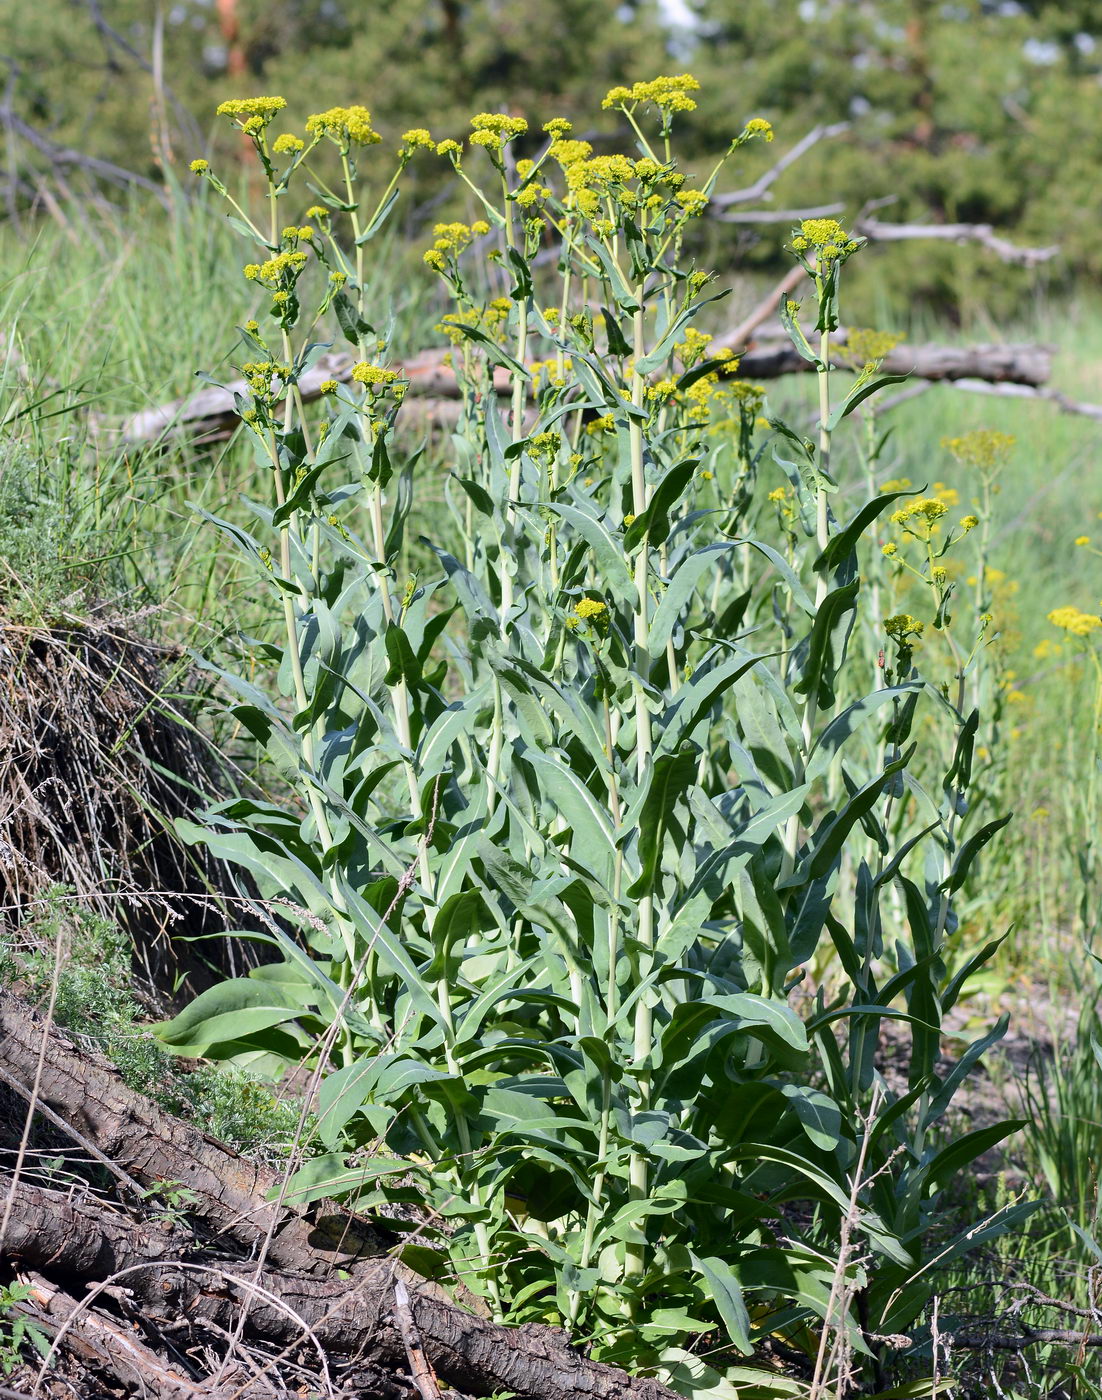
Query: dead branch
column 65, row 158
column 1019, row 364
column 89, row 1242
column 210, row 413
column 228, row 1191
column 984, row 234
column 762, row 184
column 419, row 1368
column 105, row 1344
column 1063, row 402
column 780, row 216
column 1028, row 1337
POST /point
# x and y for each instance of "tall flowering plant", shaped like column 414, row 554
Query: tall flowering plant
column 580, row 804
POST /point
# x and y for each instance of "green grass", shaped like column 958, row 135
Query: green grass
column 96, row 1001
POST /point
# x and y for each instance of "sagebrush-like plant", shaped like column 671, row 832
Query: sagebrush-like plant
column 612, row 848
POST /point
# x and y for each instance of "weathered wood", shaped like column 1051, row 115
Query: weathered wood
column 210, row 413
column 1014, row 363
column 228, row 1191
column 88, row 1241
column 106, row 1345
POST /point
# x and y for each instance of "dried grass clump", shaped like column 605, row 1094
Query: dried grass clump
column 97, row 759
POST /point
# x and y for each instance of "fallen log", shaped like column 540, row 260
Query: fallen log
column 1015, row 363
column 107, row 1346
column 89, row 1242
column 210, row 413
column 228, row 1191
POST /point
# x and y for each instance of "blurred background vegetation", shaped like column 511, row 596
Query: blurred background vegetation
column 983, row 111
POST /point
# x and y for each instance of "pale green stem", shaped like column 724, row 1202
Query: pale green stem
column 822, row 539
column 638, row 1173
column 596, row 1205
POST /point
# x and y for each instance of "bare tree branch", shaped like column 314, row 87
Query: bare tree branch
column 64, row 157
column 779, row 216
column 1062, row 401
column 762, row 184
column 877, row 231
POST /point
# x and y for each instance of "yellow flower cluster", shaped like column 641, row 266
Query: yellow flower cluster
column 929, row 507
column 417, row 138
column 692, row 201
column 199, row 167
column 826, row 238
column 261, row 109
column 492, row 130
column 1079, row 624
column 693, row 348
column 259, row 375
column 372, row 376
column 903, row 626
column 668, row 94
column 317, row 211
column 288, row 144
column 277, row 269
column 864, row 346
column 983, row 448
column 452, row 320
column 758, row 126
column 344, row 125
column 451, row 239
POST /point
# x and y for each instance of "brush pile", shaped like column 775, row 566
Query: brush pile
column 149, row 1258
column 97, row 759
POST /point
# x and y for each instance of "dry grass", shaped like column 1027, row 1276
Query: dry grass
column 97, row 759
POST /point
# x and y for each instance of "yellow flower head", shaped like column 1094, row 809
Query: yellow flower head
column 501, row 125
column 903, row 626
column 692, row 201
column 346, row 126
column 249, row 108
column 199, row 167
column 983, row 448
column 288, row 144
column 969, row 522
column 758, row 126
column 1082, row 540
column 327, row 386
column 668, row 94
column 449, row 148
column 1079, row 624
column 372, row 375
column 317, row 211
column 827, row 238
column 558, row 127
column 417, row 138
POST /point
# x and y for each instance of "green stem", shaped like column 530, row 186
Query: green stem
column 638, row 1166
column 822, row 539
